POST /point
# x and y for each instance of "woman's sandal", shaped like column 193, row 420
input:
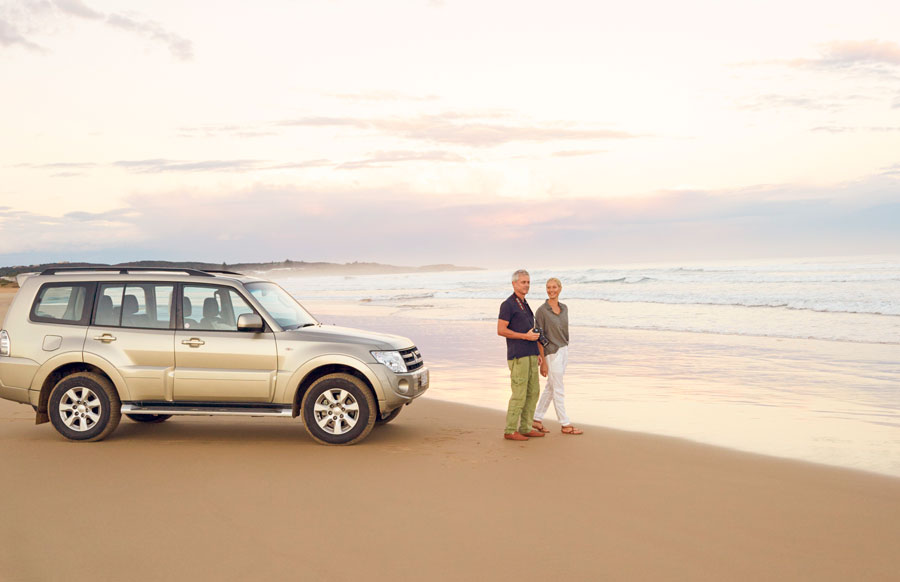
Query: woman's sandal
column 538, row 425
column 569, row 429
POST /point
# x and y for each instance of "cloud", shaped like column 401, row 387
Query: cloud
column 42, row 16
column 479, row 129
column 833, row 129
column 58, row 165
column 216, row 131
column 891, row 170
column 27, row 234
column 380, row 159
column 577, row 153
column 319, row 163
column 845, row 129
column 463, row 129
column 156, row 166
column 866, row 52
column 324, row 121
column 180, row 47
column 78, row 8
column 385, row 159
column 869, row 56
column 10, row 36
column 774, row 101
column 381, row 96
column 401, row 226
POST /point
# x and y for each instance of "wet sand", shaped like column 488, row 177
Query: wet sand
column 435, row 495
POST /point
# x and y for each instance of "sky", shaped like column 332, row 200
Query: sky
column 486, row 133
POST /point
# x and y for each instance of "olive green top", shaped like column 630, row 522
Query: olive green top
column 555, row 327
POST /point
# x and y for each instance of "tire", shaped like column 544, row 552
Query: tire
column 338, row 409
column 394, row 414
column 149, row 418
column 84, row 407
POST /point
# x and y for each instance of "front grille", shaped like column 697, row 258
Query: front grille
column 412, row 358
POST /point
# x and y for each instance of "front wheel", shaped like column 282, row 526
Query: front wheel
column 338, row 409
column 84, row 407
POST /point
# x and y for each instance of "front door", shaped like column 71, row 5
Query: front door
column 213, row 360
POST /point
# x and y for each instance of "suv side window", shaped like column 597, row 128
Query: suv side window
column 62, row 303
column 142, row 305
column 212, row 308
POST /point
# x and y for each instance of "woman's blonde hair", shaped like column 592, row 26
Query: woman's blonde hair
column 554, row 280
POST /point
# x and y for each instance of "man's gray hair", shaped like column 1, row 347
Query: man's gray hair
column 518, row 274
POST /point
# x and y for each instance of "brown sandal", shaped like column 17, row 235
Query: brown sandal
column 538, row 425
column 569, row 429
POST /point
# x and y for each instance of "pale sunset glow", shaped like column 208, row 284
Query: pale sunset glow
column 435, row 131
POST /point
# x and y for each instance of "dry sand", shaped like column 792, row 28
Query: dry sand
column 436, row 495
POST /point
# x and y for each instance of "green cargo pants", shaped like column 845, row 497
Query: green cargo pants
column 523, row 375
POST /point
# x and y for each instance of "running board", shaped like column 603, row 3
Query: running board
column 217, row 409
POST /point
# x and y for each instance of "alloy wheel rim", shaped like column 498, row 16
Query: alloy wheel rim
column 80, row 409
column 336, row 411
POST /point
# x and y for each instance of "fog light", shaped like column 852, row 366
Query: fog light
column 403, row 386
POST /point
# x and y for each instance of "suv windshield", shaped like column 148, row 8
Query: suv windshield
column 281, row 305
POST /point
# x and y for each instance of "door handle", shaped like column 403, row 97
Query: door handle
column 194, row 342
column 105, row 338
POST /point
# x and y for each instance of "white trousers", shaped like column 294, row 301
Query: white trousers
column 553, row 389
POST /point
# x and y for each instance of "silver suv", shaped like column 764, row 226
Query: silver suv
column 84, row 346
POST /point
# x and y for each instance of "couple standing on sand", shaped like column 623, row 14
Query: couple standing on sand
column 534, row 343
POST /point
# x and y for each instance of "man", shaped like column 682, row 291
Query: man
column 516, row 323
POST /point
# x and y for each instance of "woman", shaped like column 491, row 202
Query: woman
column 553, row 319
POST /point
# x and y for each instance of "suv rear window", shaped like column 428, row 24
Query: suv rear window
column 62, row 303
column 141, row 305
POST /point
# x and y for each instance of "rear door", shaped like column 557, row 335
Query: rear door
column 214, row 362
column 133, row 328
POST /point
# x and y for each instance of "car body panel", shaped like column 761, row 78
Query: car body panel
column 226, row 366
column 144, row 357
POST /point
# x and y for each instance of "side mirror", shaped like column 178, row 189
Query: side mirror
column 250, row 322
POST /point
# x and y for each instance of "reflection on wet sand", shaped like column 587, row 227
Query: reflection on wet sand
column 821, row 401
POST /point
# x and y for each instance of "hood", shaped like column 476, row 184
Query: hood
column 349, row 335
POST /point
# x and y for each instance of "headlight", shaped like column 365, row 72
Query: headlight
column 392, row 360
column 4, row 343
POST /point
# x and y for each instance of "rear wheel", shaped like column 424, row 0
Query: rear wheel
column 149, row 418
column 338, row 409
column 84, row 407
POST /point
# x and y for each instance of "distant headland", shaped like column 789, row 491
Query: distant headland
column 274, row 269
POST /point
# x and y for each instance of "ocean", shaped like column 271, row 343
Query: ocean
column 855, row 300
column 797, row 358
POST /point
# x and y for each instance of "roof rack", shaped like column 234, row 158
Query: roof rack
column 127, row 270
column 221, row 272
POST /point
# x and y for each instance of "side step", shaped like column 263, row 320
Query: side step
column 208, row 408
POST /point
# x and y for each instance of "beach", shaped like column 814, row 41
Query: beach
column 435, row 495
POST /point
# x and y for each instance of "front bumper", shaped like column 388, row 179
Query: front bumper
column 398, row 389
column 412, row 384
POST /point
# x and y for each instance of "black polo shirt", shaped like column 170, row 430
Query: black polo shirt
column 518, row 313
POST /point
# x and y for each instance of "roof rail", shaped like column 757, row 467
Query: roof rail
column 127, row 270
column 221, row 272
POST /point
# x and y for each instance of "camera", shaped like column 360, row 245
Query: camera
column 543, row 339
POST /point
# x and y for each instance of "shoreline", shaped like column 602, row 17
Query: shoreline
column 809, row 400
